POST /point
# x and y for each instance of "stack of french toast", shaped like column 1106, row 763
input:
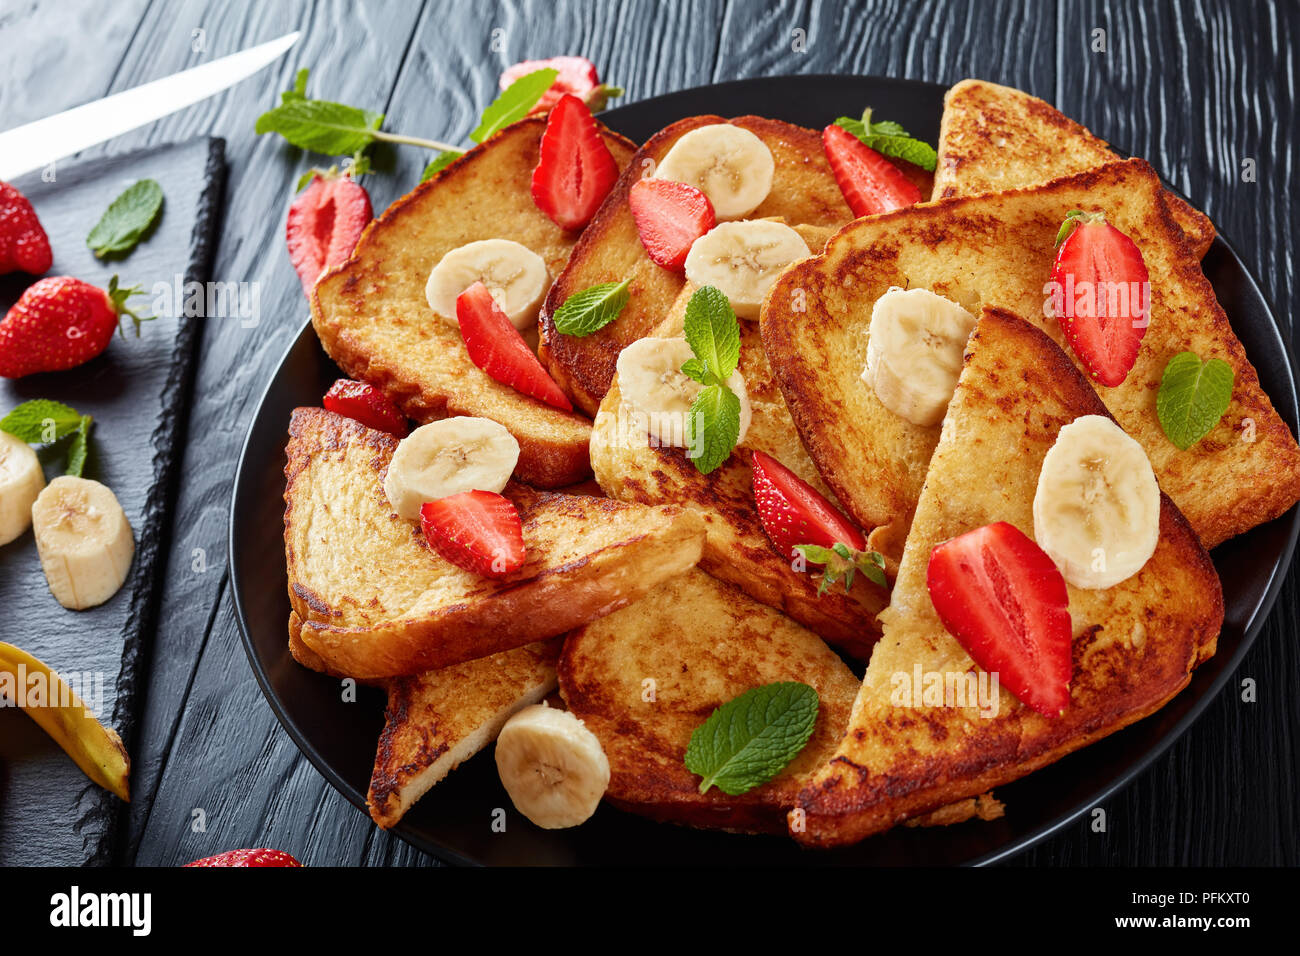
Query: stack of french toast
column 846, row 431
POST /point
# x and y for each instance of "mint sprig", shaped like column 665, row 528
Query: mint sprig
column 128, row 218
column 514, row 103
column 750, row 739
column 890, row 139
column 1193, row 397
column 842, row 562
column 713, row 333
column 591, row 309
column 42, row 421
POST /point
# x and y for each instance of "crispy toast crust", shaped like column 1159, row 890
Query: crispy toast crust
column 994, row 137
column 373, row 318
column 375, row 601
column 804, row 192
column 1245, row 472
column 1135, row 644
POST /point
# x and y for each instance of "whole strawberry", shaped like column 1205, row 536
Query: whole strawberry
column 23, row 244
column 60, row 323
column 248, row 858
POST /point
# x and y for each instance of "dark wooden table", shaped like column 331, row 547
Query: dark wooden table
column 1198, row 88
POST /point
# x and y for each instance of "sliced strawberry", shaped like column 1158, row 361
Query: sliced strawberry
column 248, row 858
column 793, row 512
column 576, row 169
column 60, row 323
column 669, row 217
column 324, row 224
column 479, row 531
column 24, row 246
column 1003, row 599
column 577, row 75
column 870, row 183
column 1101, row 294
column 496, row 347
column 367, row 404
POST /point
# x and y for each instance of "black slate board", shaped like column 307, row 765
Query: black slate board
column 137, row 391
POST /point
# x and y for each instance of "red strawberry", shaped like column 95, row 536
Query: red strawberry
column 793, row 512
column 366, row 404
column 870, row 183
column 575, row 170
column 669, row 217
column 1101, row 295
column 60, row 323
column 325, row 222
column 496, row 347
column 24, row 247
column 479, row 531
column 1003, row 599
column 248, row 858
column 577, row 76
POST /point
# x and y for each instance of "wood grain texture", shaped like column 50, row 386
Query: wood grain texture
column 1194, row 86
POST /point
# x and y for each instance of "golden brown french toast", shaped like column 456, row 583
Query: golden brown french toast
column 993, row 138
column 997, row 249
column 374, row 320
column 736, row 549
column 375, row 601
column 1135, row 643
column 804, row 192
column 700, row 642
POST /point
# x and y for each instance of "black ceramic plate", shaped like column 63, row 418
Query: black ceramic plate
column 453, row 820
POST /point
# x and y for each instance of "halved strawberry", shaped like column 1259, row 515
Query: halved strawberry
column 793, row 512
column 496, row 347
column 577, row 75
column 366, row 404
column 324, row 224
column 247, row 858
column 1003, row 599
column 669, row 217
column 576, row 169
column 870, row 183
column 1101, row 295
column 479, row 531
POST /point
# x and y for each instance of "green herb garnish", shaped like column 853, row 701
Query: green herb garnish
column 514, row 103
column 128, row 218
column 41, row 421
column 1193, row 397
column 713, row 333
column 841, row 561
column 591, row 309
column 890, row 139
column 749, row 740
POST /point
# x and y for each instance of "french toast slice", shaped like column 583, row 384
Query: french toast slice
column 736, row 548
column 437, row 720
column 804, row 192
column 701, row 642
column 1135, row 644
column 997, row 249
column 375, row 601
column 373, row 318
column 993, row 138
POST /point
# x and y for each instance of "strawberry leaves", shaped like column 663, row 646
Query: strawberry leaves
column 842, row 562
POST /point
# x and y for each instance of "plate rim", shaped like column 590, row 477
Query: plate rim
column 1250, row 630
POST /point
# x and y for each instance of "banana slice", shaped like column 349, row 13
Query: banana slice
column 1097, row 507
column 743, row 259
column 914, row 352
column 21, row 480
column 84, row 541
column 729, row 164
column 656, row 392
column 552, row 766
column 447, row 457
column 514, row 274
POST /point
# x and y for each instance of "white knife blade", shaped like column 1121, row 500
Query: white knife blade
column 36, row 144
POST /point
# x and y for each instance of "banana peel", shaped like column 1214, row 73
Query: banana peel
column 96, row 749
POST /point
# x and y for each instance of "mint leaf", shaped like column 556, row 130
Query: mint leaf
column 322, row 126
column 441, row 162
column 592, row 308
column 512, row 105
column 77, row 450
column 750, row 739
column 713, row 332
column 1193, row 397
column 696, row 371
column 890, row 139
column 127, row 219
column 713, row 427
column 41, row 421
